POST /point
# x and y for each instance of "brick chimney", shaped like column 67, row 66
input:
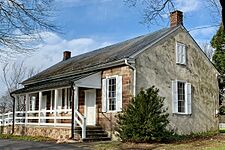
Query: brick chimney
column 176, row 18
column 66, row 55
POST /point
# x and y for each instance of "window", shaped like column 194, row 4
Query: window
column 180, row 53
column 66, row 98
column 112, row 94
column 34, row 102
column 181, row 96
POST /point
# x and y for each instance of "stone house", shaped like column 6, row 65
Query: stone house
column 86, row 91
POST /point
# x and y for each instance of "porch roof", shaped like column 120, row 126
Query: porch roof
column 63, row 82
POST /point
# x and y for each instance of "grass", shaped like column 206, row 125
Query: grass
column 194, row 145
column 206, row 141
column 25, row 137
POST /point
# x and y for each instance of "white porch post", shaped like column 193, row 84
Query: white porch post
column 39, row 109
column 75, row 104
column 65, row 99
column 51, row 101
column 27, row 109
column 76, row 89
column 17, row 99
column 55, row 104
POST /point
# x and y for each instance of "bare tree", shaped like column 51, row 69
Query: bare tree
column 6, row 103
column 12, row 75
column 21, row 21
column 155, row 10
column 207, row 49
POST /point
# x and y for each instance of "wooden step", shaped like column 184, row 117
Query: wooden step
column 93, row 133
column 96, row 139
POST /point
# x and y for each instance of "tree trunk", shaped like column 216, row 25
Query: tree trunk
column 222, row 3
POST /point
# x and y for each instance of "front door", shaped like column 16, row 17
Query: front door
column 90, row 106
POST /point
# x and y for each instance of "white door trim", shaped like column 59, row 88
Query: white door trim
column 85, row 107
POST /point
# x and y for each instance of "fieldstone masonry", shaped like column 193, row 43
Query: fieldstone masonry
column 107, row 120
column 157, row 66
column 51, row 132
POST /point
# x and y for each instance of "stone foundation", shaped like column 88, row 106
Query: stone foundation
column 51, row 132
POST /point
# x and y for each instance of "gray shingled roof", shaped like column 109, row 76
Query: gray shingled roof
column 53, row 84
column 100, row 56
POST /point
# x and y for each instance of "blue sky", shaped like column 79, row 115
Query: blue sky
column 90, row 24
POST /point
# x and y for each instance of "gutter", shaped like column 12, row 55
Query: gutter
column 13, row 124
column 135, row 75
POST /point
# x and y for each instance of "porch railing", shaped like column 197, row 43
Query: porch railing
column 39, row 118
column 6, row 119
column 81, row 121
column 33, row 117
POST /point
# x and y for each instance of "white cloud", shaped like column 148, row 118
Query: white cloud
column 187, row 5
column 51, row 50
column 78, row 3
column 203, row 32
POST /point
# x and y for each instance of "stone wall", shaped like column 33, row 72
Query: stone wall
column 51, row 132
column 107, row 120
column 157, row 66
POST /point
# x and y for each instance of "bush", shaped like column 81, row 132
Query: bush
column 222, row 110
column 144, row 119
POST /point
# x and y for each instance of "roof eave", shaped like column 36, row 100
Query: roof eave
column 201, row 50
column 155, row 42
column 84, row 70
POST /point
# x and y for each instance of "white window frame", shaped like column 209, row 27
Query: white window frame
column 187, row 101
column 107, row 93
column 181, row 57
column 185, row 97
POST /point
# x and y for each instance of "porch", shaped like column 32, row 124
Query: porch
column 69, row 106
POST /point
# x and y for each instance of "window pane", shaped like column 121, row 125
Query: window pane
column 181, row 96
column 112, row 94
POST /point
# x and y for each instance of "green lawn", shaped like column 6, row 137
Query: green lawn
column 213, row 143
column 24, row 137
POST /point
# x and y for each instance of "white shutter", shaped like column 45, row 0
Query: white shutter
column 184, row 54
column 180, row 53
column 188, row 98
column 177, row 53
column 104, row 95
column 119, row 99
column 174, row 96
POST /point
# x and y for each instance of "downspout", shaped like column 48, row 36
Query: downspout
column 134, row 72
column 13, row 124
column 72, row 119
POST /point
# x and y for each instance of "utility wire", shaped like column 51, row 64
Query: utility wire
column 204, row 27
